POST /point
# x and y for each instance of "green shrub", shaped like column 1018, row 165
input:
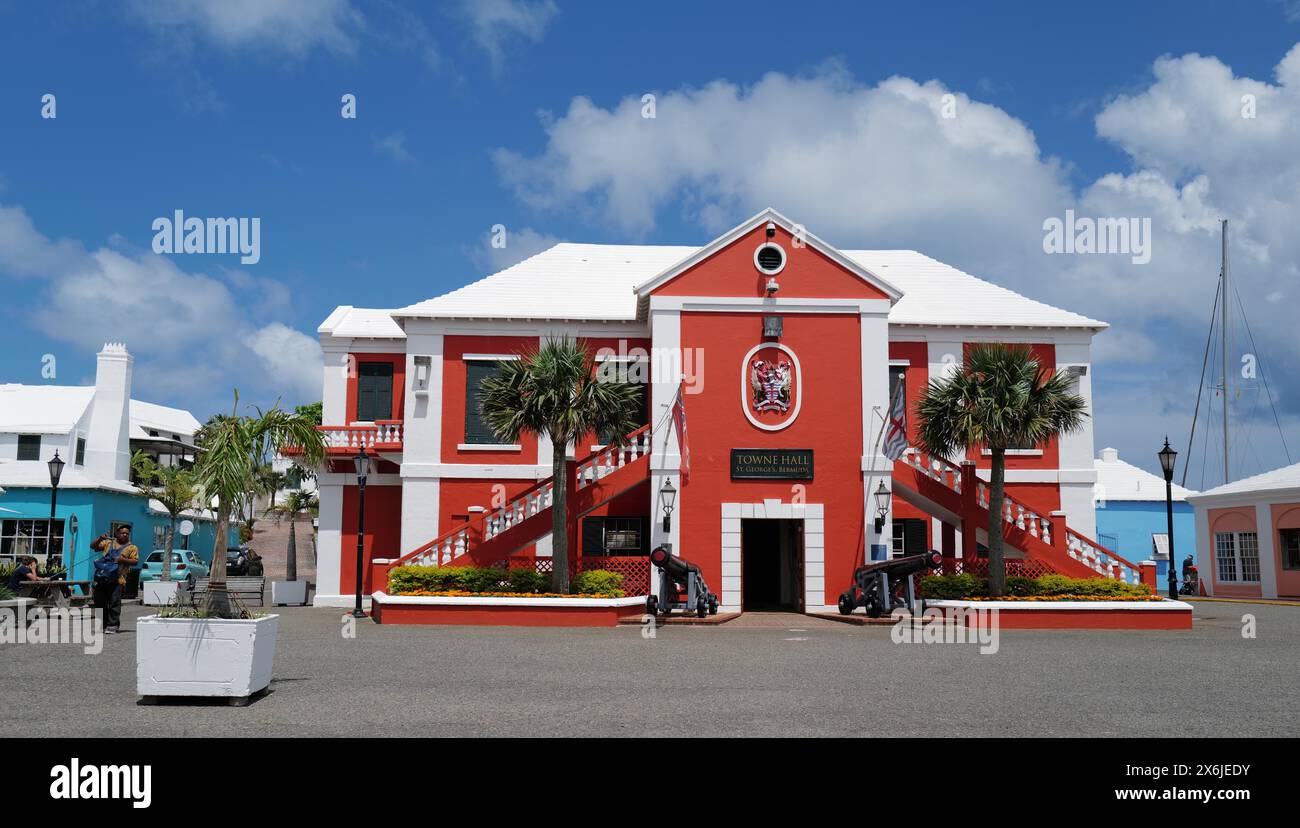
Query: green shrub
column 1020, row 585
column 407, row 579
column 951, row 587
column 598, row 581
column 5, row 594
column 529, row 580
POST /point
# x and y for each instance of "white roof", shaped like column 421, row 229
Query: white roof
column 1285, row 478
column 35, row 474
column 1124, row 481
column 166, row 421
column 42, row 409
column 361, row 323
column 596, row 282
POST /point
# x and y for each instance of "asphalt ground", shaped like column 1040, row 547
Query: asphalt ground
column 788, row 678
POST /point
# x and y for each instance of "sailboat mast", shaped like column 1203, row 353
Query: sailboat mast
column 1223, row 328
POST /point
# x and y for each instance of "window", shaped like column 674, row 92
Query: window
column 28, row 537
column 374, row 391
column 897, row 375
column 909, row 537
column 614, row 536
column 476, row 429
column 81, row 451
column 1289, row 544
column 769, row 258
column 642, row 415
column 29, row 447
column 1237, row 554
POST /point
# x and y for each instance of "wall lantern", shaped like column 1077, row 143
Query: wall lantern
column 882, row 506
column 669, row 495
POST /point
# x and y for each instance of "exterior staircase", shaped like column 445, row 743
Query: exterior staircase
column 963, row 499
column 494, row 535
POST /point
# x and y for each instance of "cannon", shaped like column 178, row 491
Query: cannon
column 681, row 587
column 883, row 586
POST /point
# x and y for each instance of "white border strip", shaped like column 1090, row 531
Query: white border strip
column 1144, row 606
column 490, row 601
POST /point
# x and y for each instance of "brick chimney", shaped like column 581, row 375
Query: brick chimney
column 108, row 447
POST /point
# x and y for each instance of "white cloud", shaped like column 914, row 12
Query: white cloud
column 880, row 166
column 394, row 145
column 494, row 23
column 193, row 336
column 519, row 245
column 293, row 26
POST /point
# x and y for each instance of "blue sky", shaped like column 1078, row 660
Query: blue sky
column 467, row 118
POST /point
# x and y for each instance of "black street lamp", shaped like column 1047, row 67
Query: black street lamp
column 363, row 468
column 56, row 472
column 669, row 494
column 1167, row 459
column 882, row 506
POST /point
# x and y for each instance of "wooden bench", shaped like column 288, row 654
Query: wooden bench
column 244, row 587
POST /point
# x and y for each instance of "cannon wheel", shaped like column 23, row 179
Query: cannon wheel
column 873, row 605
column 846, row 604
column 713, row 605
column 702, row 607
column 651, row 604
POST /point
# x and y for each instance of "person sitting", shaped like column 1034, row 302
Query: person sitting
column 23, row 573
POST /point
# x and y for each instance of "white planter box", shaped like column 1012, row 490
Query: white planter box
column 228, row 658
column 161, row 593
column 288, row 592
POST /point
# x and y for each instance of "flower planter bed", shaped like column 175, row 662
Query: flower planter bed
column 215, row 657
column 510, row 610
column 1090, row 613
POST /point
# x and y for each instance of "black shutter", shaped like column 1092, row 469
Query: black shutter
column 593, row 536
column 914, row 537
column 374, row 391
column 476, row 428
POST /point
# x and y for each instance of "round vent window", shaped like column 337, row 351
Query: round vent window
column 769, row 258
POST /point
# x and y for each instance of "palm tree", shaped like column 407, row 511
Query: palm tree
column 1001, row 398
column 554, row 392
column 234, row 447
column 173, row 487
column 295, row 503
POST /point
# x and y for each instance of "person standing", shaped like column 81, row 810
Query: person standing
column 111, row 567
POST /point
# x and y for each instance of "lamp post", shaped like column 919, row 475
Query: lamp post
column 363, row 468
column 882, row 506
column 669, row 494
column 56, row 471
column 1167, row 459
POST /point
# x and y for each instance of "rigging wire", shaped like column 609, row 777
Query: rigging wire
column 1209, row 337
column 1259, row 359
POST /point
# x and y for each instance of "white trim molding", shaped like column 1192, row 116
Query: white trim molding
column 814, row 549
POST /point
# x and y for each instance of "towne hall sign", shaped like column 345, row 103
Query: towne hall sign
column 787, row 464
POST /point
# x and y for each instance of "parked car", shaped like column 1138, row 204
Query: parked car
column 243, row 561
column 186, row 566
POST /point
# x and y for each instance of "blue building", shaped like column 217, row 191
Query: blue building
column 1132, row 518
column 94, row 430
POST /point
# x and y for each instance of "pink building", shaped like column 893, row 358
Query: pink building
column 1248, row 535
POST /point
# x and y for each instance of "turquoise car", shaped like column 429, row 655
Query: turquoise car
column 186, row 566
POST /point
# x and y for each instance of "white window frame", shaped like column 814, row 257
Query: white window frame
column 1233, row 553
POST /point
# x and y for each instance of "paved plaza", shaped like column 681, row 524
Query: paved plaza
column 782, row 677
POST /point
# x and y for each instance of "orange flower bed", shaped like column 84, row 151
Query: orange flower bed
column 1068, row 598
column 460, row 593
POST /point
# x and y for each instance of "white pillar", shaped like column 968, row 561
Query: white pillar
column 329, row 543
column 1267, row 550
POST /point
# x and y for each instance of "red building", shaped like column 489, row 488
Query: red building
column 786, row 349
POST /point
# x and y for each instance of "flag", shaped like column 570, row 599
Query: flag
column 679, row 423
column 896, row 427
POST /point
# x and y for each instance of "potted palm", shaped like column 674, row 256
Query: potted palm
column 291, row 590
column 1001, row 398
column 555, row 392
column 218, row 647
column 175, row 489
